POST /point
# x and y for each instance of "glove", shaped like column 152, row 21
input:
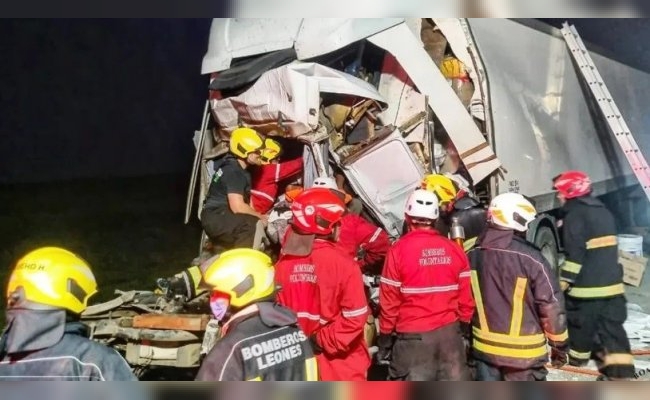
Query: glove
column 314, row 344
column 385, row 343
column 559, row 357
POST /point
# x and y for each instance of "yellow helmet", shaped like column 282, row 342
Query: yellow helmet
column 453, row 68
column 55, row 277
column 244, row 141
column 442, row 186
column 271, row 151
column 246, row 275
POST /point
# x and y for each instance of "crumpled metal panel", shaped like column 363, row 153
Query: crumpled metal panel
column 384, row 174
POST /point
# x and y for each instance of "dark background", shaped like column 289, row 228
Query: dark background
column 122, row 97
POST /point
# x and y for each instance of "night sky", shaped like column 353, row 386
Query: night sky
column 113, row 98
column 99, row 98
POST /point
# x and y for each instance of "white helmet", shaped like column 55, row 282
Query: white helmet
column 327, row 182
column 422, row 204
column 512, row 211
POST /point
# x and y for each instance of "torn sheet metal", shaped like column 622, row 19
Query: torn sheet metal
column 476, row 153
column 286, row 101
column 383, row 188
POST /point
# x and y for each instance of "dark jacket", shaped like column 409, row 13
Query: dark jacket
column 229, row 177
column 590, row 244
column 41, row 345
column 261, row 343
column 519, row 305
column 471, row 215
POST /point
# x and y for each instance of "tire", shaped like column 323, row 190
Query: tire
column 545, row 240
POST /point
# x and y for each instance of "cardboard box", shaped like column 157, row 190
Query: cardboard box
column 633, row 268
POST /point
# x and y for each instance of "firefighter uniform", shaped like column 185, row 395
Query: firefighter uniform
column 596, row 304
column 267, row 179
column 360, row 236
column 424, row 296
column 519, row 308
column 325, row 289
column 471, row 216
column 261, row 343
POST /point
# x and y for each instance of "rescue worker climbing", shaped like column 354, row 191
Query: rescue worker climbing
column 456, row 203
column 591, row 278
column 519, row 305
column 227, row 217
column 43, row 338
column 260, row 340
column 324, row 286
column 268, row 178
column 425, row 300
column 359, row 238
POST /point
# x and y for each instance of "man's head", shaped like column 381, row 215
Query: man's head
column 511, row 211
column 271, row 152
column 422, row 209
column 247, row 145
column 51, row 277
column 571, row 184
column 238, row 278
column 316, row 212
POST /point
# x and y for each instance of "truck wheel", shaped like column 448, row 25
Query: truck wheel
column 545, row 240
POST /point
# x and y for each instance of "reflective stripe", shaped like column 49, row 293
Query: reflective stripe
column 256, row 379
column 570, row 266
column 618, row 359
column 390, row 282
column 510, row 352
column 518, row 306
column 580, row 355
column 311, row 370
column 465, row 274
column 469, row 243
column 430, row 289
column 597, row 292
column 311, row 317
column 603, row 241
column 375, row 235
column 536, row 339
column 478, row 299
column 355, row 313
column 262, row 194
column 559, row 337
column 277, row 173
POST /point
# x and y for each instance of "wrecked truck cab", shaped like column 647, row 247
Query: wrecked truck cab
column 335, row 116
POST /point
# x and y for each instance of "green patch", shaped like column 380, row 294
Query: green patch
column 131, row 231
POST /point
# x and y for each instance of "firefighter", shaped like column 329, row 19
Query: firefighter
column 260, row 340
column 456, row 202
column 268, row 177
column 227, row 217
column 425, row 300
column 324, row 286
column 359, row 238
column 43, row 338
column 519, row 305
column 591, row 278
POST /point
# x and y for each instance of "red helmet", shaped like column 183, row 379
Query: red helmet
column 317, row 210
column 572, row 184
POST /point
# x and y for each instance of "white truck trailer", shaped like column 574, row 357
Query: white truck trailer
column 518, row 116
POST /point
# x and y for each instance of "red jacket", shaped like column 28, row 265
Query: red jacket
column 356, row 232
column 266, row 182
column 425, row 284
column 326, row 291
